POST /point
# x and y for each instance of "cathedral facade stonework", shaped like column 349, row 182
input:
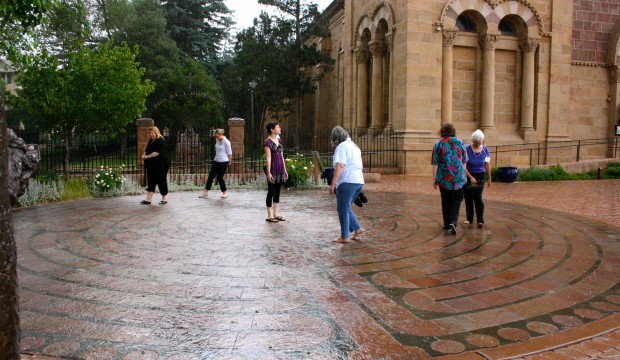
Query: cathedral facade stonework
column 537, row 71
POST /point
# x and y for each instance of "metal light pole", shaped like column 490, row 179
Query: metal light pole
column 252, row 85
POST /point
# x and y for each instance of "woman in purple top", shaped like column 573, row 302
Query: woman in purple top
column 275, row 170
column 478, row 164
column 449, row 159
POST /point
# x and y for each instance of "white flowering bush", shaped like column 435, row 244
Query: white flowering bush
column 108, row 179
column 299, row 169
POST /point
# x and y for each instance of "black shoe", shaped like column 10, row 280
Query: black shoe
column 362, row 197
column 358, row 202
column 452, row 229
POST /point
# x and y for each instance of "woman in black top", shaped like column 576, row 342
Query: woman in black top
column 156, row 163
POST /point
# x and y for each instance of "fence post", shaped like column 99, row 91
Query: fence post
column 236, row 136
column 142, row 137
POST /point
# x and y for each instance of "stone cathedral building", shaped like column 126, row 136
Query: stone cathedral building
column 537, row 71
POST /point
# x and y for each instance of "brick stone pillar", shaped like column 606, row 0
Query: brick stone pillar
column 142, row 126
column 377, row 49
column 236, row 136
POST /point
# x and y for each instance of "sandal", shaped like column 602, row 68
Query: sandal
column 341, row 240
column 163, row 202
column 480, row 225
column 271, row 220
column 144, row 202
column 357, row 233
column 280, row 218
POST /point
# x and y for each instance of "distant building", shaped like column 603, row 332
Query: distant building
column 521, row 70
column 7, row 75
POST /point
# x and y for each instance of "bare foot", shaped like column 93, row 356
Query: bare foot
column 357, row 233
column 341, row 240
column 225, row 194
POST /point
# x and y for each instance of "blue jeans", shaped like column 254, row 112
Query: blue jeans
column 345, row 194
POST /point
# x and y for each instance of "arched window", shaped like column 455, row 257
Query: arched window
column 471, row 21
column 507, row 28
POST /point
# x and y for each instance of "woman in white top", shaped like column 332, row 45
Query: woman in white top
column 347, row 183
column 223, row 154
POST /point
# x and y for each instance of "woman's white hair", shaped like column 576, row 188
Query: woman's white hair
column 478, row 135
column 339, row 134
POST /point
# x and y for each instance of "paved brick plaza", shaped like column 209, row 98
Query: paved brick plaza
column 210, row 279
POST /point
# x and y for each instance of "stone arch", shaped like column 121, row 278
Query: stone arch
column 383, row 11
column 493, row 13
column 613, row 56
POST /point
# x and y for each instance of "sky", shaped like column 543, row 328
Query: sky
column 247, row 10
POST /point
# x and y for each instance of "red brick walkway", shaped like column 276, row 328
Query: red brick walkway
column 210, row 279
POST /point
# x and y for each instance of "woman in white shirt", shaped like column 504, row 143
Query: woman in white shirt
column 347, row 183
column 223, row 154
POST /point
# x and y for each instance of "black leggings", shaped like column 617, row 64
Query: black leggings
column 157, row 177
column 273, row 193
column 217, row 169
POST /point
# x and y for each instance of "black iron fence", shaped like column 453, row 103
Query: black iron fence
column 191, row 154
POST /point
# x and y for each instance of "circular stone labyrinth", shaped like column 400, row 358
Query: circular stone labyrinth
column 209, row 278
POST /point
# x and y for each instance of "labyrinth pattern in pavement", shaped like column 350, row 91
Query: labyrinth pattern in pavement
column 201, row 279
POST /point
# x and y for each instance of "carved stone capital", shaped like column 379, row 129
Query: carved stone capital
column 488, row 40
column 361, row 54
column 529, row 45
column 448, row 37
column 377, row 48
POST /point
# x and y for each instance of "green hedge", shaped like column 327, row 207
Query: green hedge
column 556, row 172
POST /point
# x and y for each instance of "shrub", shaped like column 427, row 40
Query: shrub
column 612, row 171
column 298, row 167
column 107, row 180
column 41, row 191
column 552, row 173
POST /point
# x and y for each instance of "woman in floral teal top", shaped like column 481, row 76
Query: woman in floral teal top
column 449, row 159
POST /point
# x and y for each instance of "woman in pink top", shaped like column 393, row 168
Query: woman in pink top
column 275, row 170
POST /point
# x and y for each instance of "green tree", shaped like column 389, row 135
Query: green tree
column 65, row 29
column 193, row 101
column 198, row 27
column 17, row 19
column 271, row 54
column 303, row 21
column 96, row 90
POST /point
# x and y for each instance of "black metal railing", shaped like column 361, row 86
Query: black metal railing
column 191, row 153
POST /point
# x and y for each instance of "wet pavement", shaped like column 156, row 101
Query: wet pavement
column 210, row 279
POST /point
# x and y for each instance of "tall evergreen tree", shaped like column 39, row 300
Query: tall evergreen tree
column 304, row 21
column 198, row 27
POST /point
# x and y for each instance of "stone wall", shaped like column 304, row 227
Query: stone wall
column 594, row 23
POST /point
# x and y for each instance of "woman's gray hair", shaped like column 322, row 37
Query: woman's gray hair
column 339, row 134
column 478, row 136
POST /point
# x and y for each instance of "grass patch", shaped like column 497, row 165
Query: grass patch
column 75, row 189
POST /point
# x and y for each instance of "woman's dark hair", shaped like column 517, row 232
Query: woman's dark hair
column 447, row 129
column 270, row 127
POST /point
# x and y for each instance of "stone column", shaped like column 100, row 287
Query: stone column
column 361, row 57
column 236, row 136
column 9, row 298
column 528, row 47
column 142, row 128
column 613, row 100
column 487, row 112
column 446, row 75
column 377, row 49
column 389, row 39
